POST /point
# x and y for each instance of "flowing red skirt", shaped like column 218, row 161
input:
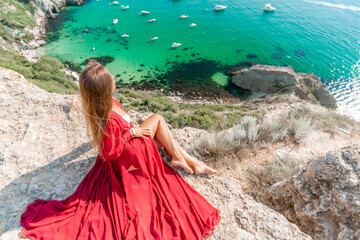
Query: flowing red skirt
column 137, row 196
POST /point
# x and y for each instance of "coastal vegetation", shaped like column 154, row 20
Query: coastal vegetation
column 178, row 115
column 16, row 18
column 291, row 127
column 46, row 73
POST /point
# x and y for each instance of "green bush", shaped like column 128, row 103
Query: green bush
column 46, row 73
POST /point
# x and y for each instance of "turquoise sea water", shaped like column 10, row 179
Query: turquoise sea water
column 322, row 37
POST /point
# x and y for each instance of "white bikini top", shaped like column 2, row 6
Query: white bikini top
column 126, row 117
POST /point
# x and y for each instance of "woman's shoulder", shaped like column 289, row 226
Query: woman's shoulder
column 117, row 103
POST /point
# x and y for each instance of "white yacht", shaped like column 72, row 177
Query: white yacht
column 152, row 20
column 115, row 2
column 193, row 25
column 174, row 45
column 269, row 8
column 115, row 21
column 123, row 7
column 125, row 35
column 154, row 38
column 144, row 12
column 184, row 16
column 219, row 7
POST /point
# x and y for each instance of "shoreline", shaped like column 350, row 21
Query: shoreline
column 34, row 53
column 194, row 91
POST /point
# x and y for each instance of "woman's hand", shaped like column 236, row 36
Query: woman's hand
column 141, row 132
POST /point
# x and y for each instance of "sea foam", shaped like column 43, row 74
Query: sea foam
column 336, row 5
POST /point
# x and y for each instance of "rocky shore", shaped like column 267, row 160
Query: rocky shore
column 263, row 80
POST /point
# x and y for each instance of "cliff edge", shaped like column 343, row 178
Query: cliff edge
column 45, row 153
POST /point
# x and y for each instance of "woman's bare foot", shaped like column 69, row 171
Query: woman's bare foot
column 181, row 163
column 201, row 167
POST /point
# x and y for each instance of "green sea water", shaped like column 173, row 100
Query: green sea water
column 320, row 37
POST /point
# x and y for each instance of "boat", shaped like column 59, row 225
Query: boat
column 93, row 48
column 115, row 2
column 125, row 35
column 144, row 12
column 154, row 38
column 184, row 16
column 219, row 7
column 174, row 45
column 193, row 25
column 152, row 20
column 115, row 21
column 123, row 7
column 269, row 8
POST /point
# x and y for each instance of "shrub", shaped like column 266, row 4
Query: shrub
column 46, row 73
column 262, row 178
column 160, row 104
column 294, row 125
column 280, row 84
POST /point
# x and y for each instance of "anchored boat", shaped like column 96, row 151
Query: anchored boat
column 269, row 8
column 174, row 45
column 219, row 7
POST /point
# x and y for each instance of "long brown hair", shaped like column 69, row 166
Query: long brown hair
column 96, row 86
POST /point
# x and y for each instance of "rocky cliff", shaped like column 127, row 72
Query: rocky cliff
column 269, row 79
column 323, row 197
column 45, row 153
column 49, row 7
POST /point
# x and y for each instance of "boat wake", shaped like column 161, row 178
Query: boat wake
column 336, row 5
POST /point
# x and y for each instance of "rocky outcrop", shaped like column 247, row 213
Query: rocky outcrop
column 273, row 79
column 323, row 197
column 49, row 7
column 45, row 153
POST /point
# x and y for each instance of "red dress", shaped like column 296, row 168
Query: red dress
column 132, row 194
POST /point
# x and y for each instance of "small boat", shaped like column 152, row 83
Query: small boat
column 123, row 7
column 269, row 8
column 154, row 38
column 115, row 21
column 152, row 20
column 115, row 2
column 174, row 45
column 219, row 7
column 125, row 35
column 144, row 12
column 184, row 16
column 93, row 48
column 193, row 25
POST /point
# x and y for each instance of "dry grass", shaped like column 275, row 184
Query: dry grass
column 293, row 125
column 261, row 178
column 290, row 127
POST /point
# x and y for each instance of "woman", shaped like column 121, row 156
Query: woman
column 130, row 193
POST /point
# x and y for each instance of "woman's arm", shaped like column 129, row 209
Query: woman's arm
column 113, row 141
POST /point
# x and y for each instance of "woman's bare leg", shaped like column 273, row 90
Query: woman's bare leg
column 159, row 138
column 199, row 167
column 162, row 133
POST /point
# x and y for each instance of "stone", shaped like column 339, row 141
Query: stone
column 268, row 79
column 323, row 197
column 48, row 7
column 265, row 78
